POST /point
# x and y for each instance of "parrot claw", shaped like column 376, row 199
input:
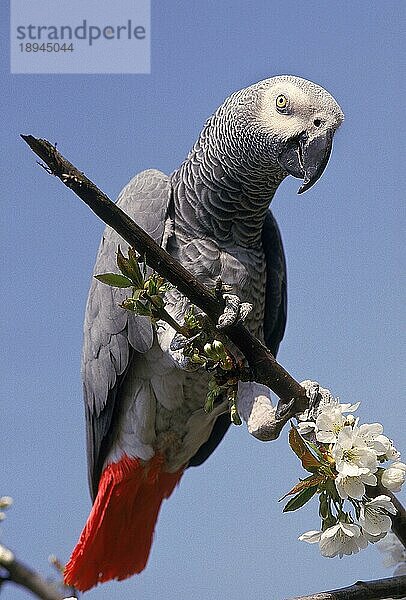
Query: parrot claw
column 284, row 409
column 178, row 342
column 234, row 311
column 176, row 349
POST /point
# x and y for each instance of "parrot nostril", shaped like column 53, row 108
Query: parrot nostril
column 317, row 122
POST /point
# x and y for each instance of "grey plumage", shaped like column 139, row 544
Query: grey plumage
column 111, row 334
column 212, row 214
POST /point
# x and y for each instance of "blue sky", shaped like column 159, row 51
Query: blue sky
column 222, row 534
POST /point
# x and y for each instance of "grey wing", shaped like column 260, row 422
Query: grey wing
column 111, row 334
column 276, row 288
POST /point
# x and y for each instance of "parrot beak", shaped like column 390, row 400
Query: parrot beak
column 306, row 157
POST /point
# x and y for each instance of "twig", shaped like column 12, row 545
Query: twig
column 378, row 589
column 22, row 575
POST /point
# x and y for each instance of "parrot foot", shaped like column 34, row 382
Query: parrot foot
column 318, row 397
column 234, row 311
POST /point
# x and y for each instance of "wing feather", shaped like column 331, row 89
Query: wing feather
column 113, row 336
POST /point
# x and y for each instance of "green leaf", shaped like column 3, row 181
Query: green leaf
column 130, row 267
column 300, row 499
column 315, row 449
column 128, row 304
column 115, row 280
column 137, row 294
column 141, row 309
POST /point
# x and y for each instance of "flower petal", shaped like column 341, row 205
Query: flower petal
column 394, row 476
column 326, row 437
column 311, row 537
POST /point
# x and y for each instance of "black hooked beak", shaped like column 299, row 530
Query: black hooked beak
column 306, row 158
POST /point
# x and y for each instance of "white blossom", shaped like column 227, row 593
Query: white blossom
column 5, row 501
column 329, row 423
column 6, row 556
column 371, row 434
column 331, row 420
column 340, row 539
column 394, row 476
column 374, row 518
column 354, row 487
column 352, row 455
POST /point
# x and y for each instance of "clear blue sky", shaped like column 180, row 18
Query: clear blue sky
column 222, row 534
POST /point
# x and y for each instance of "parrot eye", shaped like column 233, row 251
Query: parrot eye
column 281, row 102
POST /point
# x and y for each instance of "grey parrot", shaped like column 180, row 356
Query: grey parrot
column 144, row 405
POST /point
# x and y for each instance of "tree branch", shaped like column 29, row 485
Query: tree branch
column 378, row 589
column 25, row 577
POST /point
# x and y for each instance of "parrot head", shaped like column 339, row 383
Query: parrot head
column 303, row 117
column 288, row 123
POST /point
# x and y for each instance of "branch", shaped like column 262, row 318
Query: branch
column 265, row 369
column 378, row 589
column 22, row 575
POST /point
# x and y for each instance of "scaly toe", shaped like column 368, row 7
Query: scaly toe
column 234, row 311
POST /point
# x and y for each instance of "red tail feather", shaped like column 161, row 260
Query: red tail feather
column 116, row 540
